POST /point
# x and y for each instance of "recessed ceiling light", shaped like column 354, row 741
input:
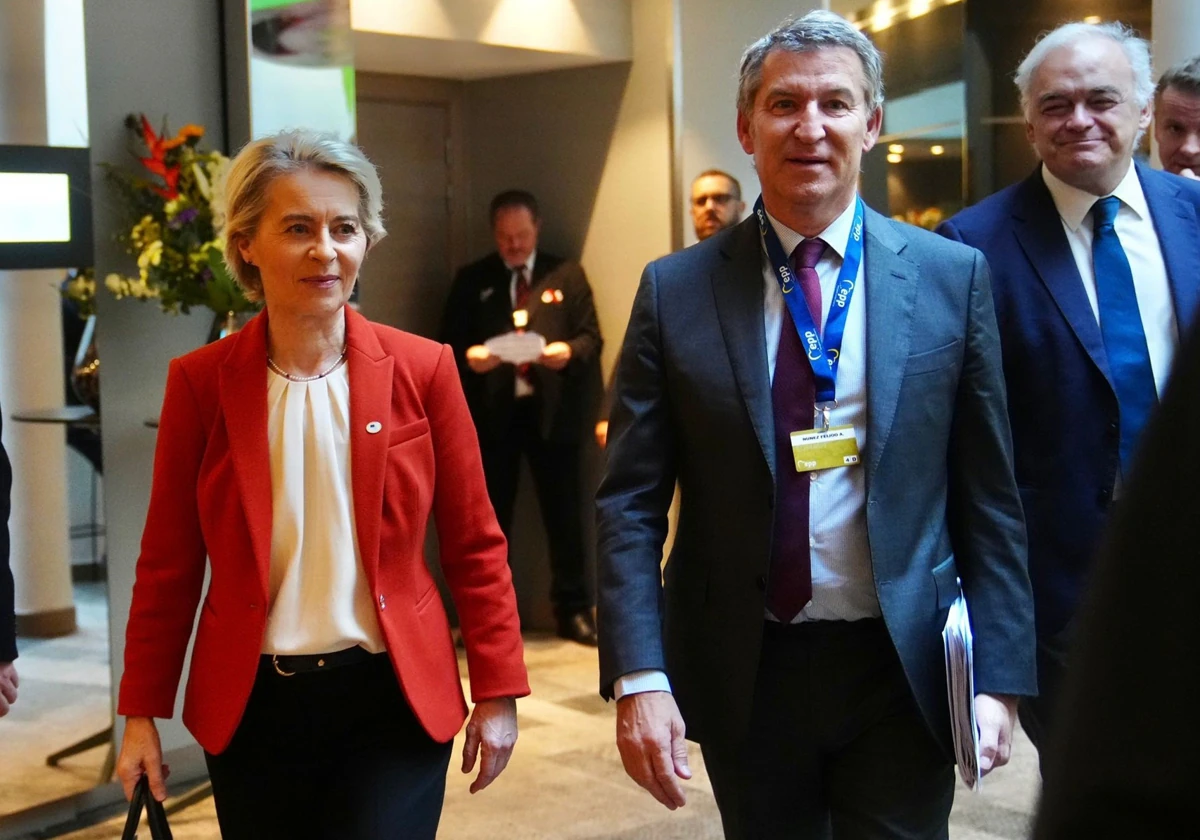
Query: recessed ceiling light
column 896, row 149
column 895, row 158
column 937, row 150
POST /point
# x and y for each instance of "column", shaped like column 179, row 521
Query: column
column 31, row 360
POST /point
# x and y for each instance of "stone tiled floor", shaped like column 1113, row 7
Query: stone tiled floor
column 565, row 781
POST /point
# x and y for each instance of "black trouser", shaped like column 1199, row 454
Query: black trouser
column 1037, row 714
column 334, row 755
column 837, row 746
column 556, row 478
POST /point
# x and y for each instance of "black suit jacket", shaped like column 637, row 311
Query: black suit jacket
column 8, row 629
column 480, row 307
column 1121, row 764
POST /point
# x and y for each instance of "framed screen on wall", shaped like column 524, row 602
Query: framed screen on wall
column 45, row 208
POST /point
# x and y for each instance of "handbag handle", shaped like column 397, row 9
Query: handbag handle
column 156, row 817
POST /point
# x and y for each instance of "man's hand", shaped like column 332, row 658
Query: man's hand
column 481, row 360
column 995, row 714
column 141, row 754
column 556, row 355
column 650, row 737
column 493, row 726
column 8, row 686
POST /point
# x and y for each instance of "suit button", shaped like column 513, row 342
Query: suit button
column 254, row 606
column 761, row 583
column 1104, row 496
column 382, row 603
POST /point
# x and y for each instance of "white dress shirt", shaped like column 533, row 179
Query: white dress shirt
column 319, row 598
column 1136, row 231
column 843, row 584
column 523, row 388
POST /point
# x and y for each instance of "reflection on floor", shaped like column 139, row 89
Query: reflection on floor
column 64, row 697
column 565, row 781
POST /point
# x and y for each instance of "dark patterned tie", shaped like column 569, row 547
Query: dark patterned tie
column 521, row 301
column 793, row 404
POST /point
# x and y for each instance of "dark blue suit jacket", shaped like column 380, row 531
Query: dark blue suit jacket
column 1061, row 403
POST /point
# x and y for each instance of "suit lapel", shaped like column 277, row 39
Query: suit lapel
column 1040, row 234
column 738, row 291
column 243, row 379
column 370, row 371
column 891, row 295
column 1175, row 223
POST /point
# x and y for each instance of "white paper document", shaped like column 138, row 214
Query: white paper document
column 516, row 348
column 960, row 688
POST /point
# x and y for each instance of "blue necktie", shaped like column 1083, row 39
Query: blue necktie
column 1121, row 328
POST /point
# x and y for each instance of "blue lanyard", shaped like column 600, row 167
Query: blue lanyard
column 823, row 356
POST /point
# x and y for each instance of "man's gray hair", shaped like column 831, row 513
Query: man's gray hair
column 1184, row 77
column 1137, row 50
column 816, row 30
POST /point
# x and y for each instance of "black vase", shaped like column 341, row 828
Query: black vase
column 226, row 324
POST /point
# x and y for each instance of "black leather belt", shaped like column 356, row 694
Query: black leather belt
column 290, row 666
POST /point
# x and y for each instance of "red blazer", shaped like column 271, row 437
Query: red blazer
column 211, row 497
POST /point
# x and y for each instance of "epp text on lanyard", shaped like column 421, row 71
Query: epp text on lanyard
column 822, row 355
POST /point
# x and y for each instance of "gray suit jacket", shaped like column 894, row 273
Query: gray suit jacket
column 693, row 404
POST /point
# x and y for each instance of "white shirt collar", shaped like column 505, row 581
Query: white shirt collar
column 1075, row 204
column 836, row 235
column 528, row 263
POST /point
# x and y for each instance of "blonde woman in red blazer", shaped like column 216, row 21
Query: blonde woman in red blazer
column 303, row 457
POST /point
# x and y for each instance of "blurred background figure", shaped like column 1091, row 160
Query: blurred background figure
column 1177, row 118
column 1122, row 761
column 537, row 410
column 716, row 202
column 8, row 619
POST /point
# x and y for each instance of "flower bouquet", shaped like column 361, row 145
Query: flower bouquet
column 173, row 223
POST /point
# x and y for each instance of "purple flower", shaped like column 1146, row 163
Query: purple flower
column 184, row 217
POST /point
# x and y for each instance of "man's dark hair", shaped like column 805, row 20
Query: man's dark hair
column 513, row 198
column 737, row 188
column 1184, row 77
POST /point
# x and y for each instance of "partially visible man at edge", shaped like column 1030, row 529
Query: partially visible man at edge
column 8, row 621
column 1177, row 118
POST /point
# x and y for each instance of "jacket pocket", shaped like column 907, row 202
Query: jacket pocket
column 408, row 432
column 935, row 359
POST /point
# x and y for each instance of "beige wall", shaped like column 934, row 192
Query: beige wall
column 712, row 36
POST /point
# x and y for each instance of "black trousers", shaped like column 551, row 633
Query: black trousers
column 333, row 755
column 556, row 478
column 837, row 746
column 1037, row 714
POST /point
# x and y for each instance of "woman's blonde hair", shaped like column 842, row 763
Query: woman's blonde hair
column 260, row 162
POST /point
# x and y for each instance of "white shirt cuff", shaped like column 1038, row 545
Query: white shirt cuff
column 638, row 682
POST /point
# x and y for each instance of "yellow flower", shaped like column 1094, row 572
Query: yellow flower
column 115, row 283
column 151, row 255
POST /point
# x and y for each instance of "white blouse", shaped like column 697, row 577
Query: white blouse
column 319, row 598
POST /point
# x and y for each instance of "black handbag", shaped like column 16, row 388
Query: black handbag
column 156, row 817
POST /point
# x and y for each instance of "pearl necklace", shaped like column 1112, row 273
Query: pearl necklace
column 291, row 378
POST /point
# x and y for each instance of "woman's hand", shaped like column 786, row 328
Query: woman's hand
column 141, row 753
column 493, row 727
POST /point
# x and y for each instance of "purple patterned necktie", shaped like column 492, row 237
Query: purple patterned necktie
column 793, row 404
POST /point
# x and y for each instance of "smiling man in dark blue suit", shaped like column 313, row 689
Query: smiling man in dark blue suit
column 1094, row 261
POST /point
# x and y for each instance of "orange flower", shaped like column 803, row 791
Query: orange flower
column 188, row 132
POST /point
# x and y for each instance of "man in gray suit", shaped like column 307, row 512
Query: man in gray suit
column 838, row 428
